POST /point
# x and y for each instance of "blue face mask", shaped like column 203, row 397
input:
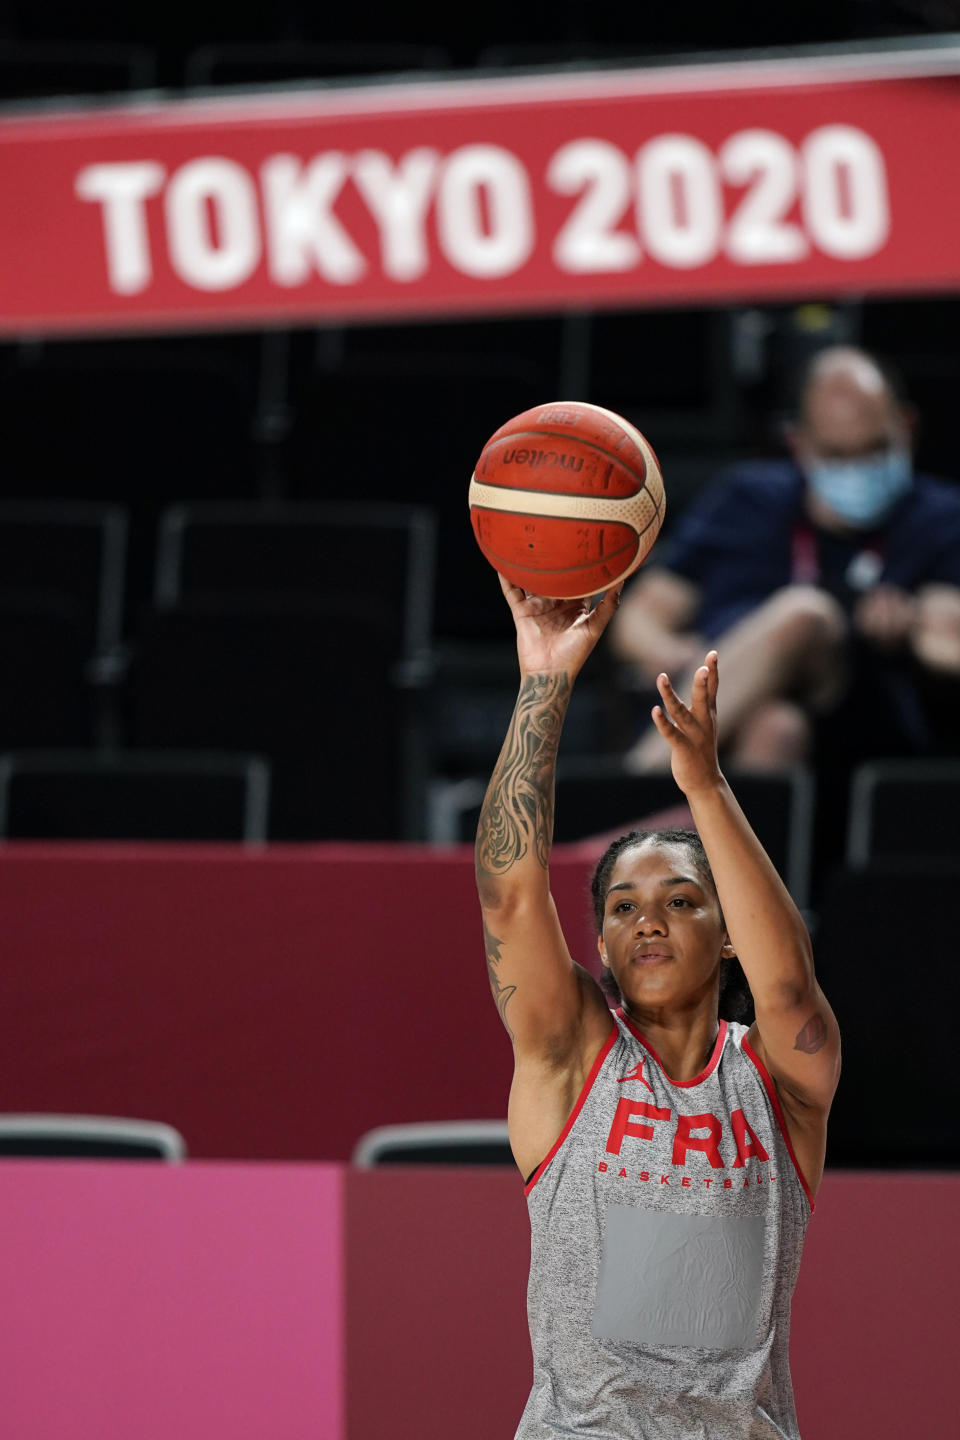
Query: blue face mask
column 862, row 492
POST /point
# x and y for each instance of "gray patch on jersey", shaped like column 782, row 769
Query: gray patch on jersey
column 680, row 1279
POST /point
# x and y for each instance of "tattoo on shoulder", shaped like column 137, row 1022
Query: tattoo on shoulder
column 518, row 809
column 502, row 994
column 813, row 1035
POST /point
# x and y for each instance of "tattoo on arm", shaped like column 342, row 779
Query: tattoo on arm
column 501, row 993
column 813, row 1035
column 517, row 811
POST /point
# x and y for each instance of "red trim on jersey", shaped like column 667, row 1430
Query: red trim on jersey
column 588, row 1086
column 765, row 1076
column 707, row 1070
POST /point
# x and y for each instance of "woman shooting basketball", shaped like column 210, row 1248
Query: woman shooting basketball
column 672, row 1153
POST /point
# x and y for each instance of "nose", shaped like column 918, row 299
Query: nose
column 650, row 925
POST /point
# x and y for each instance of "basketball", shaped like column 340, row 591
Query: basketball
column 566, row 499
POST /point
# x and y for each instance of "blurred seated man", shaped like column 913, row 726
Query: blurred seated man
column 821, row 580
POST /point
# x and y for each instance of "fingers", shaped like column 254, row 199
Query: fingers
column 610, row 599
column 511, row 591
column 677, row 717
column 599, row 615
column 713, row 677
column 666, row 727
column 605, row 608
column 705, row 680
column 672, row 703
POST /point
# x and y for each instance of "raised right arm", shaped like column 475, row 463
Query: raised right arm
column 531, row 973
column 543, row 997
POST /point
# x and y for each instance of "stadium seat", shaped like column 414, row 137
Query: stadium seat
column 345, row 594
column 302, row 552
column 75, row 553
column 45, row 698
column 92, row 415
column 309, row 688
column 88, row 1137
column 76, row 795
column 885, row 949
column 904, row 808
column 410, row 429
column 469, row 695
column 456, row 1142
column 143, row 423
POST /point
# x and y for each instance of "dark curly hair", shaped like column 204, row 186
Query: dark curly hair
column 736, row 1002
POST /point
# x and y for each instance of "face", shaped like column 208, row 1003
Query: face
column 852, row 445
column 663, row 936
column 849, row 414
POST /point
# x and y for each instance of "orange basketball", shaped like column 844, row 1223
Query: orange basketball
column 566, row 499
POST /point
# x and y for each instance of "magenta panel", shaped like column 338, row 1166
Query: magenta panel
column 197, row 1302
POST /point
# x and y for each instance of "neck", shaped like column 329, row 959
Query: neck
column 823, row 517
column 683, row 1045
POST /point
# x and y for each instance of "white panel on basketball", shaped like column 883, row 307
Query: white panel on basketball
column 635, row 510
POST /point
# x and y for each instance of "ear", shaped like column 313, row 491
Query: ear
column 910, row 418
column 603, row 953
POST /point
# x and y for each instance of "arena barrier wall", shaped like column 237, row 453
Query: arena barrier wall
column 310, row 1302
column 271, row 1004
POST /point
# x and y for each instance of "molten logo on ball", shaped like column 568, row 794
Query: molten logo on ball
column 566, row 514
column 542, row 457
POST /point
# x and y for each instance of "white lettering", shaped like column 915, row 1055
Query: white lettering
column 473, row 175
column 845, row 205
column 398, row 198
column 122, row 190
column 589, row 241
column 758, row 232
column 213, row 228
column 302, row 230
column 680, row 207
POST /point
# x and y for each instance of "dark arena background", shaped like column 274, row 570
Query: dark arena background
column 271, row 276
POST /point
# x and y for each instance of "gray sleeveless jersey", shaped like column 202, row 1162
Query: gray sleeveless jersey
column 667, row 1226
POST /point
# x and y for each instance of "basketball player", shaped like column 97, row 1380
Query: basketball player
column 672, row 1155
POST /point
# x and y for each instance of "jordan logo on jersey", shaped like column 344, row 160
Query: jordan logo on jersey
column 636, row 1074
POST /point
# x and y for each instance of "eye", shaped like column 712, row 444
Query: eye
column 622, row 906
column 679, row 901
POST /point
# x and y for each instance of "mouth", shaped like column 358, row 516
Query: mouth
column 651, row 957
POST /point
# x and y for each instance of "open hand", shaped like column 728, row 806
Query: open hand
column 691, row 731
column 885, row 615
column 557, row 635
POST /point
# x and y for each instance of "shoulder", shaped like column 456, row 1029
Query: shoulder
column 930, row 503
column 924, row 531
column 773, row 482
column 739, row 503
column 934, row 497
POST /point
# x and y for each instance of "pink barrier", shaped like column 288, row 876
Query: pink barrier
column 199, row 1302
column 277, row 1302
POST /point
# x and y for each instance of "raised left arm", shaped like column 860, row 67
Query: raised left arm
column 799, row 1030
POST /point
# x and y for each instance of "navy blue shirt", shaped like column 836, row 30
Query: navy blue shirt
column 748, row 535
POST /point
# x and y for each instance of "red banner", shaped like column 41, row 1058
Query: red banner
column 699, row 183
